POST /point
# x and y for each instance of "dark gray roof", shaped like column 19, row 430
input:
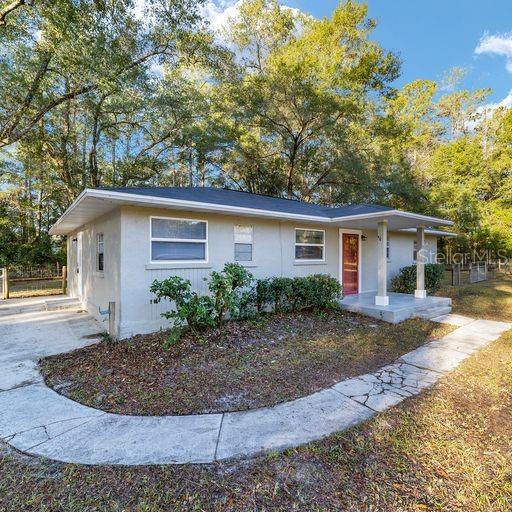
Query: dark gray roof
column 247, row 200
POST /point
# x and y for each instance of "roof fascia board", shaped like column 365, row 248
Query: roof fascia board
column 435, row 232
column 416, row 216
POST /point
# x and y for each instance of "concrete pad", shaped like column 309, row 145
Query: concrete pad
column 289, row 424
column 465, row 334
column 434, row 358
column 401, row 306
column 453, row 319
column 27, row 440
column 35, row 406
column 490, row 326
column 137, row 440
column 387, row 386
column 465, row 345
column 18, row 373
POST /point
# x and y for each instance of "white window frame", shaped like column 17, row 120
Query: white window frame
column 193, row 240
column 251, row 243
column 98, row 235
column 305, row 260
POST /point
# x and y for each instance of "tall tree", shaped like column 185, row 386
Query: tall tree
column 297, row 102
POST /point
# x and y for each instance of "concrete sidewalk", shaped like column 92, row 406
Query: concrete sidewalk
column 38, row 421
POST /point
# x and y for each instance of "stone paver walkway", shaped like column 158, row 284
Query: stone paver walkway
column 39, row 421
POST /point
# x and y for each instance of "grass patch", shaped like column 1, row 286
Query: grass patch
column 243, row 365
column 447, row 449
column 488, row 299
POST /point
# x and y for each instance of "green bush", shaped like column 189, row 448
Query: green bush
column 319, row 291
column 199, row 312
column 226, row 288
column 231, row 292
column 405, row 280
column 316, row 292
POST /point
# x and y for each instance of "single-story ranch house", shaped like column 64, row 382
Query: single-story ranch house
column 120, row 240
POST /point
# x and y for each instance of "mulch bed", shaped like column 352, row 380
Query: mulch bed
column 243, row 365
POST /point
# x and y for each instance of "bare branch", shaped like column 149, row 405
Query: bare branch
column 15, row 4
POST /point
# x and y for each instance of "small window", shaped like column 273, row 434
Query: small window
column 243, row 243
column 174, row 240
column 309, row 244
column 415, row 251
column 100, row 253
column 388, row 252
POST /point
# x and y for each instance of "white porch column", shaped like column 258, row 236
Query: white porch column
column 420, row 292
column 382, row 298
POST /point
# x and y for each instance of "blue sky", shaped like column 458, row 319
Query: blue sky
column 432, row 36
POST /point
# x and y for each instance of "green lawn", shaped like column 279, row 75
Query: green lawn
column 448, row 449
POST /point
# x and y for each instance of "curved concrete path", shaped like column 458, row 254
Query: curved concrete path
column 39, row 421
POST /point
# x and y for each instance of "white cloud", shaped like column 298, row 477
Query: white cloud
column 500, row 44
column 506, row 102
column 486, row 111
column 219, row 13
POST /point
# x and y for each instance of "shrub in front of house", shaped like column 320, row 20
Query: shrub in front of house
column 227, row 288
column 199, row 312
column 280, row 294
column 405, row 280
column 232, row 293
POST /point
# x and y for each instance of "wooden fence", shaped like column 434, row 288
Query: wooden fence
column 29, row 281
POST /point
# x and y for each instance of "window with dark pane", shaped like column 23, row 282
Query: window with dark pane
column 100, row 253
column 309, row 244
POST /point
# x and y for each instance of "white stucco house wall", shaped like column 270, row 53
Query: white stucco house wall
column 120, row 240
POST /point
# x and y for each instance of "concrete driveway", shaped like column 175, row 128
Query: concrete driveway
column 39, row 327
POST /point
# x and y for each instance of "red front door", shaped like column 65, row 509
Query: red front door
column 350, row 264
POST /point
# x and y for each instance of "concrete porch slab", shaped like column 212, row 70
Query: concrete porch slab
column 401, row 306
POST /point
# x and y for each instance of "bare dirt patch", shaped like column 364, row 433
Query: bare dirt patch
column 243, row 365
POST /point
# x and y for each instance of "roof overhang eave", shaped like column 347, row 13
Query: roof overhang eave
column 123, row 198
column 61, row 227
column 421, row 220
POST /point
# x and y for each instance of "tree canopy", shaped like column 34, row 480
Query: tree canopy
column 96, row 93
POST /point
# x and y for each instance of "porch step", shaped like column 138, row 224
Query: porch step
column 69, row 303
column 35, row 305
column 428, row 314
column 440, row 302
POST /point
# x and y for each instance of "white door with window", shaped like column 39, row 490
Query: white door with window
column 78, row 269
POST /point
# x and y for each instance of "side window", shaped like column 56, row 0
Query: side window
column 388, row 245
column 100, row 253
column 243, row 243
column 415, row 251
column 309, row 244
